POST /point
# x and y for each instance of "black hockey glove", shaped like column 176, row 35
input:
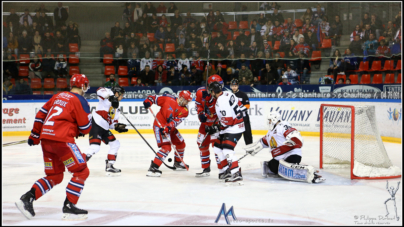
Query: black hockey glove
column 212, row 129
column 202, row 117
column 120, row 127
column 114, row 101
column 80, row 135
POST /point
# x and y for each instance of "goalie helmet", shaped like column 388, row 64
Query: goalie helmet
column 79, row 80
column 272, row 119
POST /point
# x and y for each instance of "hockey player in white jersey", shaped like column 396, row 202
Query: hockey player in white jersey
column 105, row 117
column 285, row 144
column 146, row 61
column 229, row 112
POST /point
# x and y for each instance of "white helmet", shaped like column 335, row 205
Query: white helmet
column 272, row 119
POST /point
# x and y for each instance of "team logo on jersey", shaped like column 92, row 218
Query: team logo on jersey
column 76, row 152
column 273, row 143
column 69, row 162
column 170, row 109
column 48, row 165
column 112, row 112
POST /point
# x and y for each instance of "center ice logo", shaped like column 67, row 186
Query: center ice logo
column 394, row 115
column 226, row 214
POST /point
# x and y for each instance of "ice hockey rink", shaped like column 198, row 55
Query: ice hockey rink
column 179, row 198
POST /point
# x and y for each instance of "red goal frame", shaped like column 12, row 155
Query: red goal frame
column 352, row 141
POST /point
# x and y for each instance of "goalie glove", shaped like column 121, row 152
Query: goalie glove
column 114, row 101
column 120, row 127
column 253, row 148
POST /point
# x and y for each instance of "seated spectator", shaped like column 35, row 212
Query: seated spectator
column 133, row 38
column 61, row 44
column 194, row 40
column 267, row 48
column 221, row 51
column 278, row 64
column 253, row 50
column 143, row 49
column 291, row 75
column 132, row 49
column 161, row 8
column 277, row 31
column 184, row 79
column 12, row 43
column 357, row 31
column 389, row 32
column 127, row 30
column 365, row 20
column 10, row 28
column 144, row 40
column 356, row 46
column 296, row 36
column 36, row 42
column 366, row 33
column 397, row 19
column 153, row 23
column 267, row 58
column 210, row 21
column 383, row 52
column 245, row 73
column 27, row 28
column 147, row 76
column 228, row 76
column 160, row 35
column 133, row 66
column 119, row 40
column 277, row 16
column 46, row 21
column 285, row 80
column 73, row 34
column 303, row 68
column 161, row 76
column 115, row 30
column 189, row 20
column 48, row 43
column 60, row 15
column 348, row 81
column 209, row 72
column 258, row 64
column 60, row 67
column 340, row 81
column 197, row 75
column 139, row 83
column 289, row 54
column 142, row 24
column 119, row 58
column 181, row 40
column 7, row 86
column 231, row 47
column 307, row 15
column 191, row 28
column 10, row 69
column 126, row 16
column 255, row 82
column 21, row 88
column 241, row 37
column 180, row 50
column 311, row 40
column 243, row 49
column 308, row 26
column 172, row 77
column 112, row 82
column 376, row 25
column 254, row 37
column 149, row 8
column 242, row 60
column 63, row 30
column 219, row 39
column 14, row 19
column 350, row 62
column 163, row 21
column 24, row 43
column 302, row 46
column 170, row 63
column 221, row 26
column 26, row 17
column 147, row 60
column 285, row 41
column 335, row 64
column 158, row 61
column 35, row 68
column 324, row 27
column 266, row 31
column 172, row 8
column 269, row 75
column 318, row 15
column 176, row 21
column 48, row 64
column 244, row 81
column 170, row 35
column 370, row 49
column 183, row 61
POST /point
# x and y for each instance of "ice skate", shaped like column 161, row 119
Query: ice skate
column 88, row 157
column 110, row 170
column 235, row 179
column 180, row 166
column 72, row 213
column 153, row 170
column 225, row 175
column 25, row 205
column 205, row 173
column 317, row 178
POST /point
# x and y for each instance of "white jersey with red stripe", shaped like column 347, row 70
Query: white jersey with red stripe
column 105, row 115
column 277, row 137
column 230, row 113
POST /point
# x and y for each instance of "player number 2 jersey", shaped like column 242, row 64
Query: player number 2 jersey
column 229, row 110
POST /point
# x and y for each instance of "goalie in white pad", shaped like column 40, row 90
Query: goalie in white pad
column 285, row 143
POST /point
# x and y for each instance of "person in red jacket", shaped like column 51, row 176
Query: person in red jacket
column 301, row 47
column 65, row 116
column 161, row 76
column 222, row 26
column 284, row 81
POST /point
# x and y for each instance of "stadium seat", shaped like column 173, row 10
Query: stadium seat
column 150, row 36
column 243, row 25
column 74, row 70
column 73, row 59
column 388, row 65
column 23, row 71
column 108, row 58
column 363, row 66
column 229, row 37
column 49, row 83
column 398, row 66
column 277, row 45
column 298, row 23
column 36, row 83
column 24, row 59
column 301, row 31
column 48, row 93
column 232, row 25
column 161, row 46
column 235, row 35
column 377, row 79
column 316, row 56
column 107, row 79
column 139, row 34
column 170, row 47
column 15, row 57
column 365, row 79
column 282, row 54
column 214, row 35
column 326, row 44
column 331, row 76
column 270, row 44
column 109, row 69
column 247, row 33
column 381, row 38
column 376, row 66
column 73, row 47
column 123, row 82
column 340, row 76
column 123, row 71
column 36, row 93
column 61, row 83
column 389, row 78
column 133, row 81
column 353, row 78
column 398, row 79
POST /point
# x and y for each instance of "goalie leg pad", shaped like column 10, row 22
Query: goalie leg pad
column 296, row 172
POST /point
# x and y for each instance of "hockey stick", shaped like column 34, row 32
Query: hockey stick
column 175, row 150
column 15, row 143
column 173, row 168
column 207, row 134
column 242, row 157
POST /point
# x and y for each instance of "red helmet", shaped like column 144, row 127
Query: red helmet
column 79, row 80
column 214, row 78
column 186, row 95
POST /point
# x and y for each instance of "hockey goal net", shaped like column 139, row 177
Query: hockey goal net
column 349, row 138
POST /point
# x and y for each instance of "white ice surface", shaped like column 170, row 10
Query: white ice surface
column 179, row 198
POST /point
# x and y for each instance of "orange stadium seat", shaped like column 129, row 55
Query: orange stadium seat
column 277, row 45
column 48, row 93
column 108, row 58
column 247, row 33
column 133, row 80
column 170, row 47
column 73, row 47
column 398, row 66
column 353, row 78
column 376, row 66
column 214, row 35
column 398, row 79
column 74, row 70
column 282, row 54
column 232, row 25
column 389, row 78
column 23, row 71
column 377, row 79
column 61, row 83
column 316, row 55
column 298, row 23
column 36, row 83
column 24, row 59
column 388, row 65
column 109, row 69
column 139, row 34
column 341, row 76
column 123, row 82
column 229, row 37
column 150, row 36
column 36, row 93
column 381, row 38
column 365, row 79
column 235, row 35
column 326, row 44
column 49, row 83
column 123, row 71
column 270, row 44
column 243, row 25
column 73, row 59
column 331, row 76
column 363, row 66
column 161, row 46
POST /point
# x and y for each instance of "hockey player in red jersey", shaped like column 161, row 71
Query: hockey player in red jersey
column 173, row 111
column 105, row 117
column 65, row 116
column 207, row 119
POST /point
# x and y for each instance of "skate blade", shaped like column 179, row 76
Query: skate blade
column 109, row 174
column 202, row 175
column 151, row 174
column 237, row 183
column 20, row 206
column 319, row 180
column 74, row 217
column 180, row 169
